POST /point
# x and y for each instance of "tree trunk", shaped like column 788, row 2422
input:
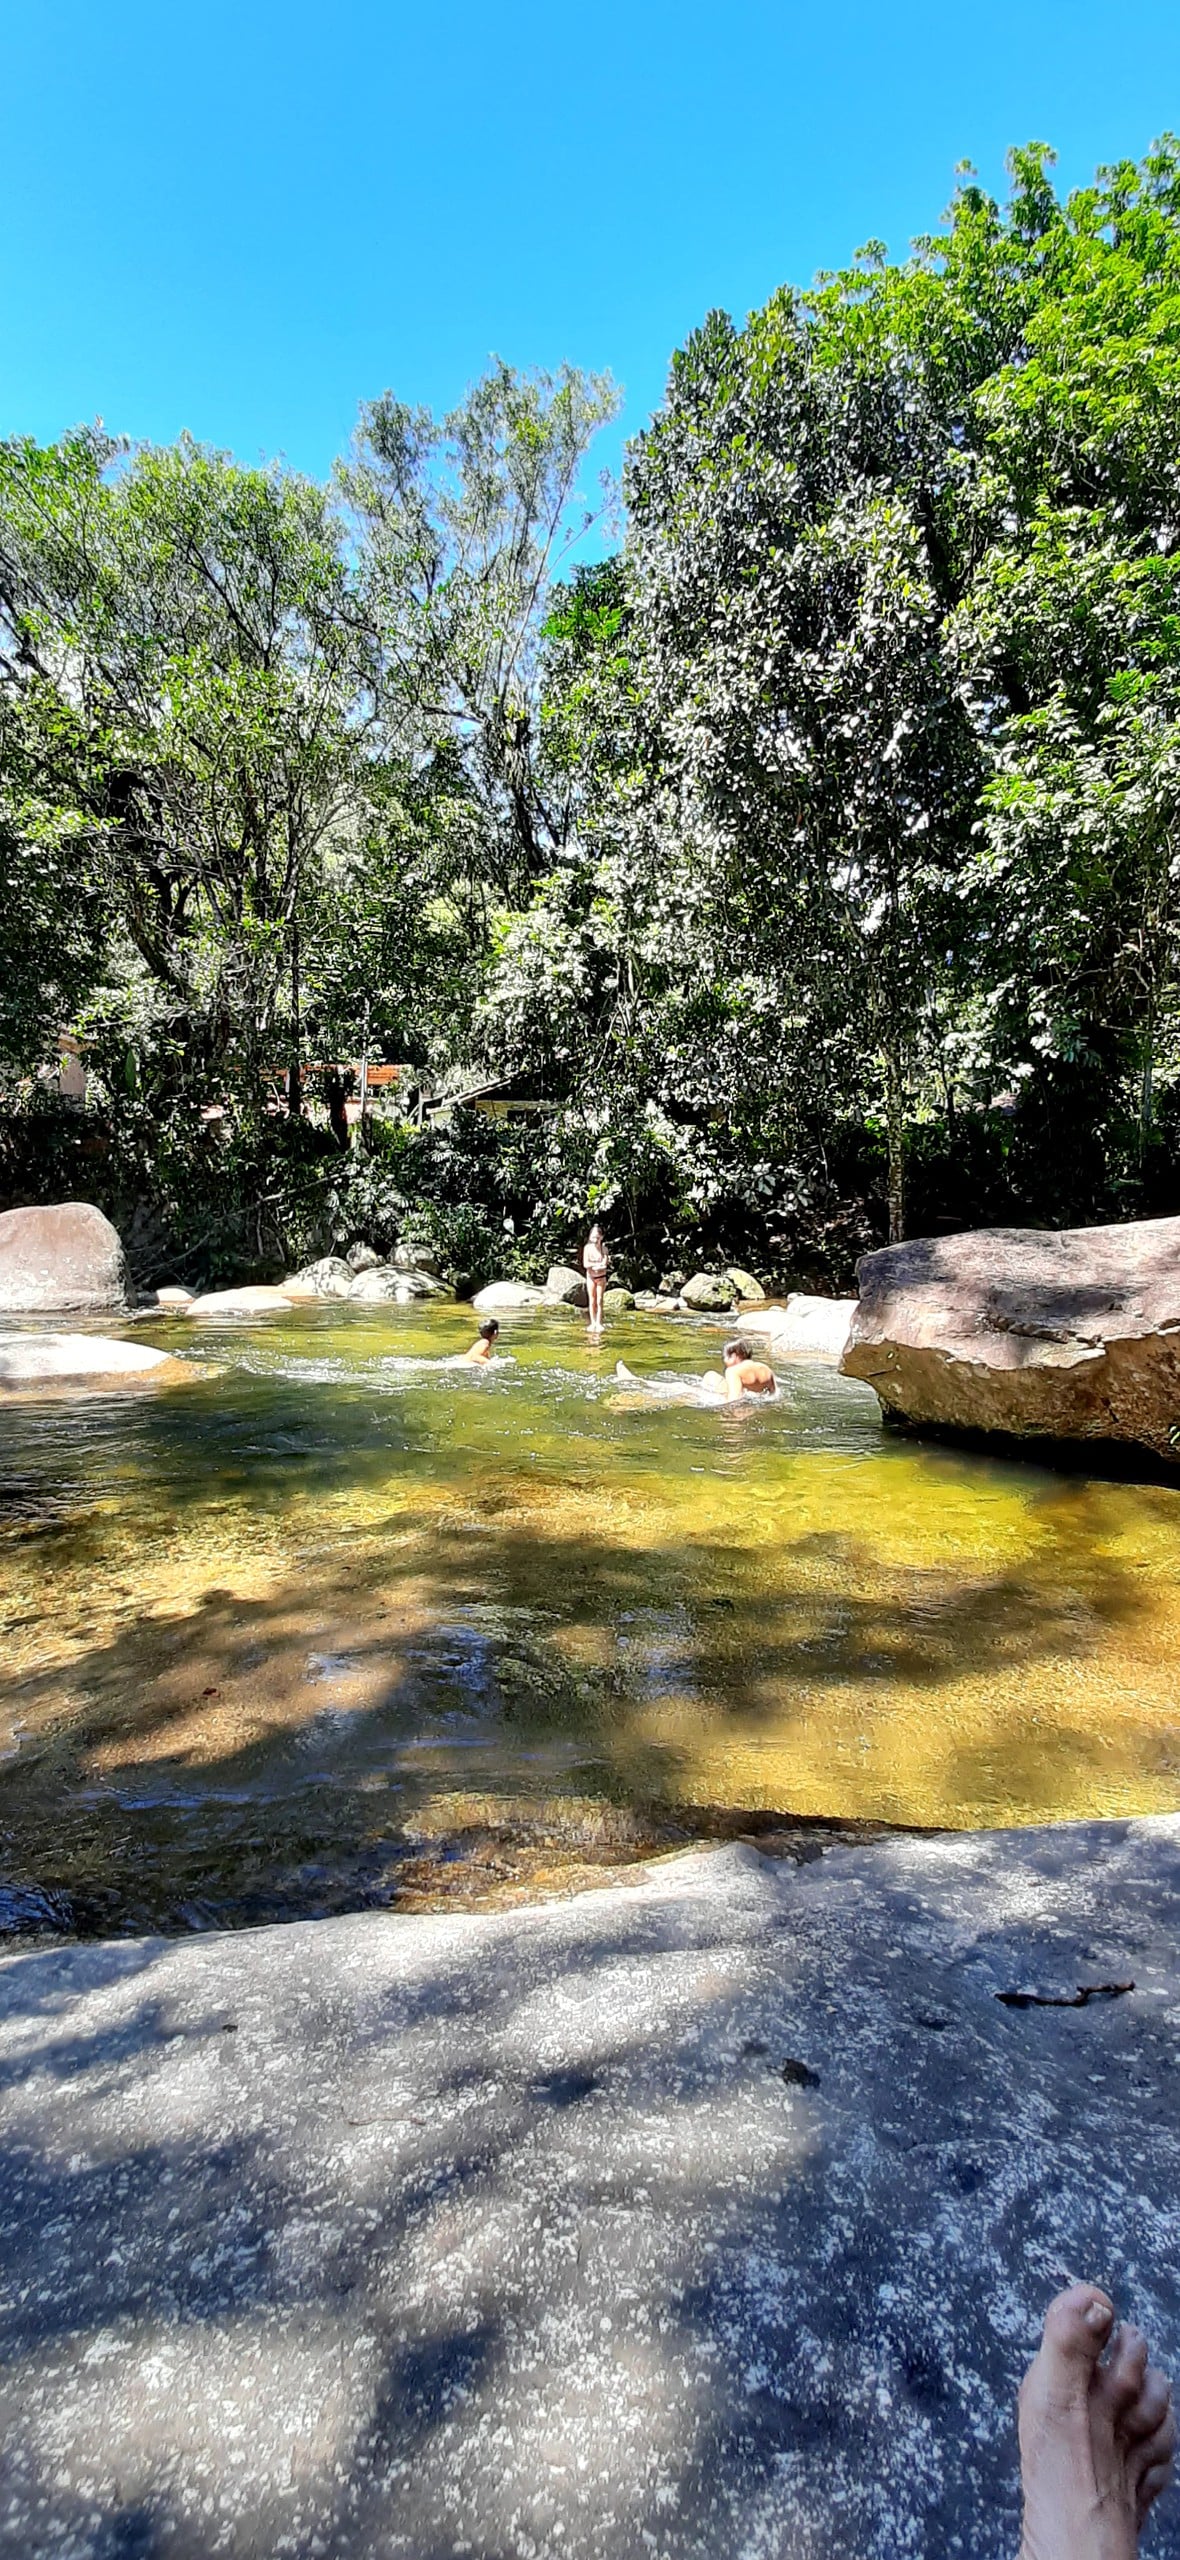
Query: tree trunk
column 295, row 1061
column 895, row 1135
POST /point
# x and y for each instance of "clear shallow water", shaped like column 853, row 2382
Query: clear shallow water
column 331, row 1623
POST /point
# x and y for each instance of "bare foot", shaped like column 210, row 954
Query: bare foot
column 1096, row 2440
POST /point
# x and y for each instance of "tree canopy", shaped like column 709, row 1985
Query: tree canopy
column 815, row 849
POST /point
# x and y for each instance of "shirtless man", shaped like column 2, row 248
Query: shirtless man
column 481, row 1348
column 1096, row 2440
column 744, row 1375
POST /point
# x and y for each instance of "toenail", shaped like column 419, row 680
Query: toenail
column 1099, row 2315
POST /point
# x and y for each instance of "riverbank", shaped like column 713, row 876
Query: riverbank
column 714, row 2213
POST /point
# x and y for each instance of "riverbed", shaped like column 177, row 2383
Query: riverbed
column 335, row 1625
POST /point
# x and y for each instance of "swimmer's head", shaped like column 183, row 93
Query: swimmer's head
column 737, row 1350
column 488, row 1329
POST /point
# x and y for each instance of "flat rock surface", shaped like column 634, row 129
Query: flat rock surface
column 31, row 1359
column 712, row 2215
column 68, row 1257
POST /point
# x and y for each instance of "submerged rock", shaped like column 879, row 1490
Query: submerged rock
column 330, row 1277
column 502, row 1296
column 709, row 1292
column 650, row 1303
column 42, row 1359
column 257, row 1301
column 1069, row 1336
column 567, row 1286
column 62, row 1259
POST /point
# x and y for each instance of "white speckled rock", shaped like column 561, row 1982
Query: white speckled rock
column 566, row 1285
column 711, row 2216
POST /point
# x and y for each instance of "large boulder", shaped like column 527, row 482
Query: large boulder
column 506, row 1297
column 1067, row 1336
column 399, row 1288
column 256, row 1301
column 330, row 1277
column 59, row 1259
column 52, row 1359
column 567, row 1286
column 417, row 1257
column 709, row 1293
column 361, row 1257
column 750, row 1290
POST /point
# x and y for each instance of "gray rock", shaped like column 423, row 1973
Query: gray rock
column 361, row 1257
column 749, row 1290
column 401, row 1287
column 712, row 2214
column 417, row 1257
column 44, row 1359
column 503, row 1296
column 617, row 1302
column 709, row 1292
column 1072, row 1336
column 176, row 1299
column 650, row 1303
column 672, row 1283
column 330, row 1277
column 63, row 1259
column 567, row 1286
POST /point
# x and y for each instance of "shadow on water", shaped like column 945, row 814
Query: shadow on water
column 332, row 1627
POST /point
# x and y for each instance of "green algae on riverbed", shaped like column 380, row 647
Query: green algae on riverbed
column 336, row 1625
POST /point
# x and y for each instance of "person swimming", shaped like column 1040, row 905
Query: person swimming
column 744, row 1375
column 482, row 1347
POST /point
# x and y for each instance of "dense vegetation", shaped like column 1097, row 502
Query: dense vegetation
column 816, row 851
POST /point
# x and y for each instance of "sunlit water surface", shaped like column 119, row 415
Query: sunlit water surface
column 298, row 1634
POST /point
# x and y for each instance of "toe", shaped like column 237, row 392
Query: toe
column 1151, row 2487
column 1149, row 2467
column 1148, row 2412
column 1121, row 2381
column 1077, row 2326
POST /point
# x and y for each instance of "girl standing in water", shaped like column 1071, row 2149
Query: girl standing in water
column 595, row 1264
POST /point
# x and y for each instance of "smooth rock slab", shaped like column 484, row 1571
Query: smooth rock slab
column 712, row 2215
column 53, row 1359
column 501, row 1297
column 805, row 1328
column 1066, row 1336
column 255, row 1301
column 63, row 1259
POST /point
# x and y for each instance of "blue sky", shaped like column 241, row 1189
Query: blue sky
column 241, row 218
